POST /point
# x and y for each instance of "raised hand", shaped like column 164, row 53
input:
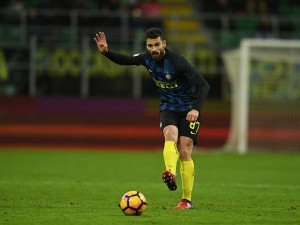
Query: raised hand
column 101, row 43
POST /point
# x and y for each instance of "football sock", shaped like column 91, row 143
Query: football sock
column 170, row 156
column 187, row 170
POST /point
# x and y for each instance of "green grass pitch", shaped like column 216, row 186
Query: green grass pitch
column 84, row 187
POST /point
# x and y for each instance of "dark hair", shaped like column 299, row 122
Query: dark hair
column 153, row 33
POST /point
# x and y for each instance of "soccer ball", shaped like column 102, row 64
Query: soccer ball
column 133, row 203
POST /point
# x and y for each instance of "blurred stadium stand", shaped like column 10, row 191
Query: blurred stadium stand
column 47, row 52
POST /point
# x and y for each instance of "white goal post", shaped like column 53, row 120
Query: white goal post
column 265, row 81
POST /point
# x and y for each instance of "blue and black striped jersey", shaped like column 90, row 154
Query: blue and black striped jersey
column 180, row 86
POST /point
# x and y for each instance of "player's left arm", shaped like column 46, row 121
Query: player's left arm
column 202, row 86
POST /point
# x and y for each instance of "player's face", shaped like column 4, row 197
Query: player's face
column 156, row 48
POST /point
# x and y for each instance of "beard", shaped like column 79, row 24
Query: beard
column 157, row 55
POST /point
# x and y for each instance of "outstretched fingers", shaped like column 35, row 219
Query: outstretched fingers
column 97, row 38
column 100, row 41
column 100, row 37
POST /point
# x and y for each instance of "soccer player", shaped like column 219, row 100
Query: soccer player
column 183, row 92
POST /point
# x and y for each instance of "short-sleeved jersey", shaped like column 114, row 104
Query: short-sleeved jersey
column 180, row 86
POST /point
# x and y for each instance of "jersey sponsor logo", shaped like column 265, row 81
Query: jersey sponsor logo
column 161, row 84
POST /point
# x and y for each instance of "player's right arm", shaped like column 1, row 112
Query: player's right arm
column 118, row 58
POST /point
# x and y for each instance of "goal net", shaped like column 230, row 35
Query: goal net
column 265, row 91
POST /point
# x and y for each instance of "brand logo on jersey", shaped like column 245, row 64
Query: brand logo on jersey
column 161, row 84
column 137, row 54
column 150, row 70
column 168, row 76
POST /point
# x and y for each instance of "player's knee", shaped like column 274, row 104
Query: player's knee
column 185, row 148
column 171, row 133
column 185, row 155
